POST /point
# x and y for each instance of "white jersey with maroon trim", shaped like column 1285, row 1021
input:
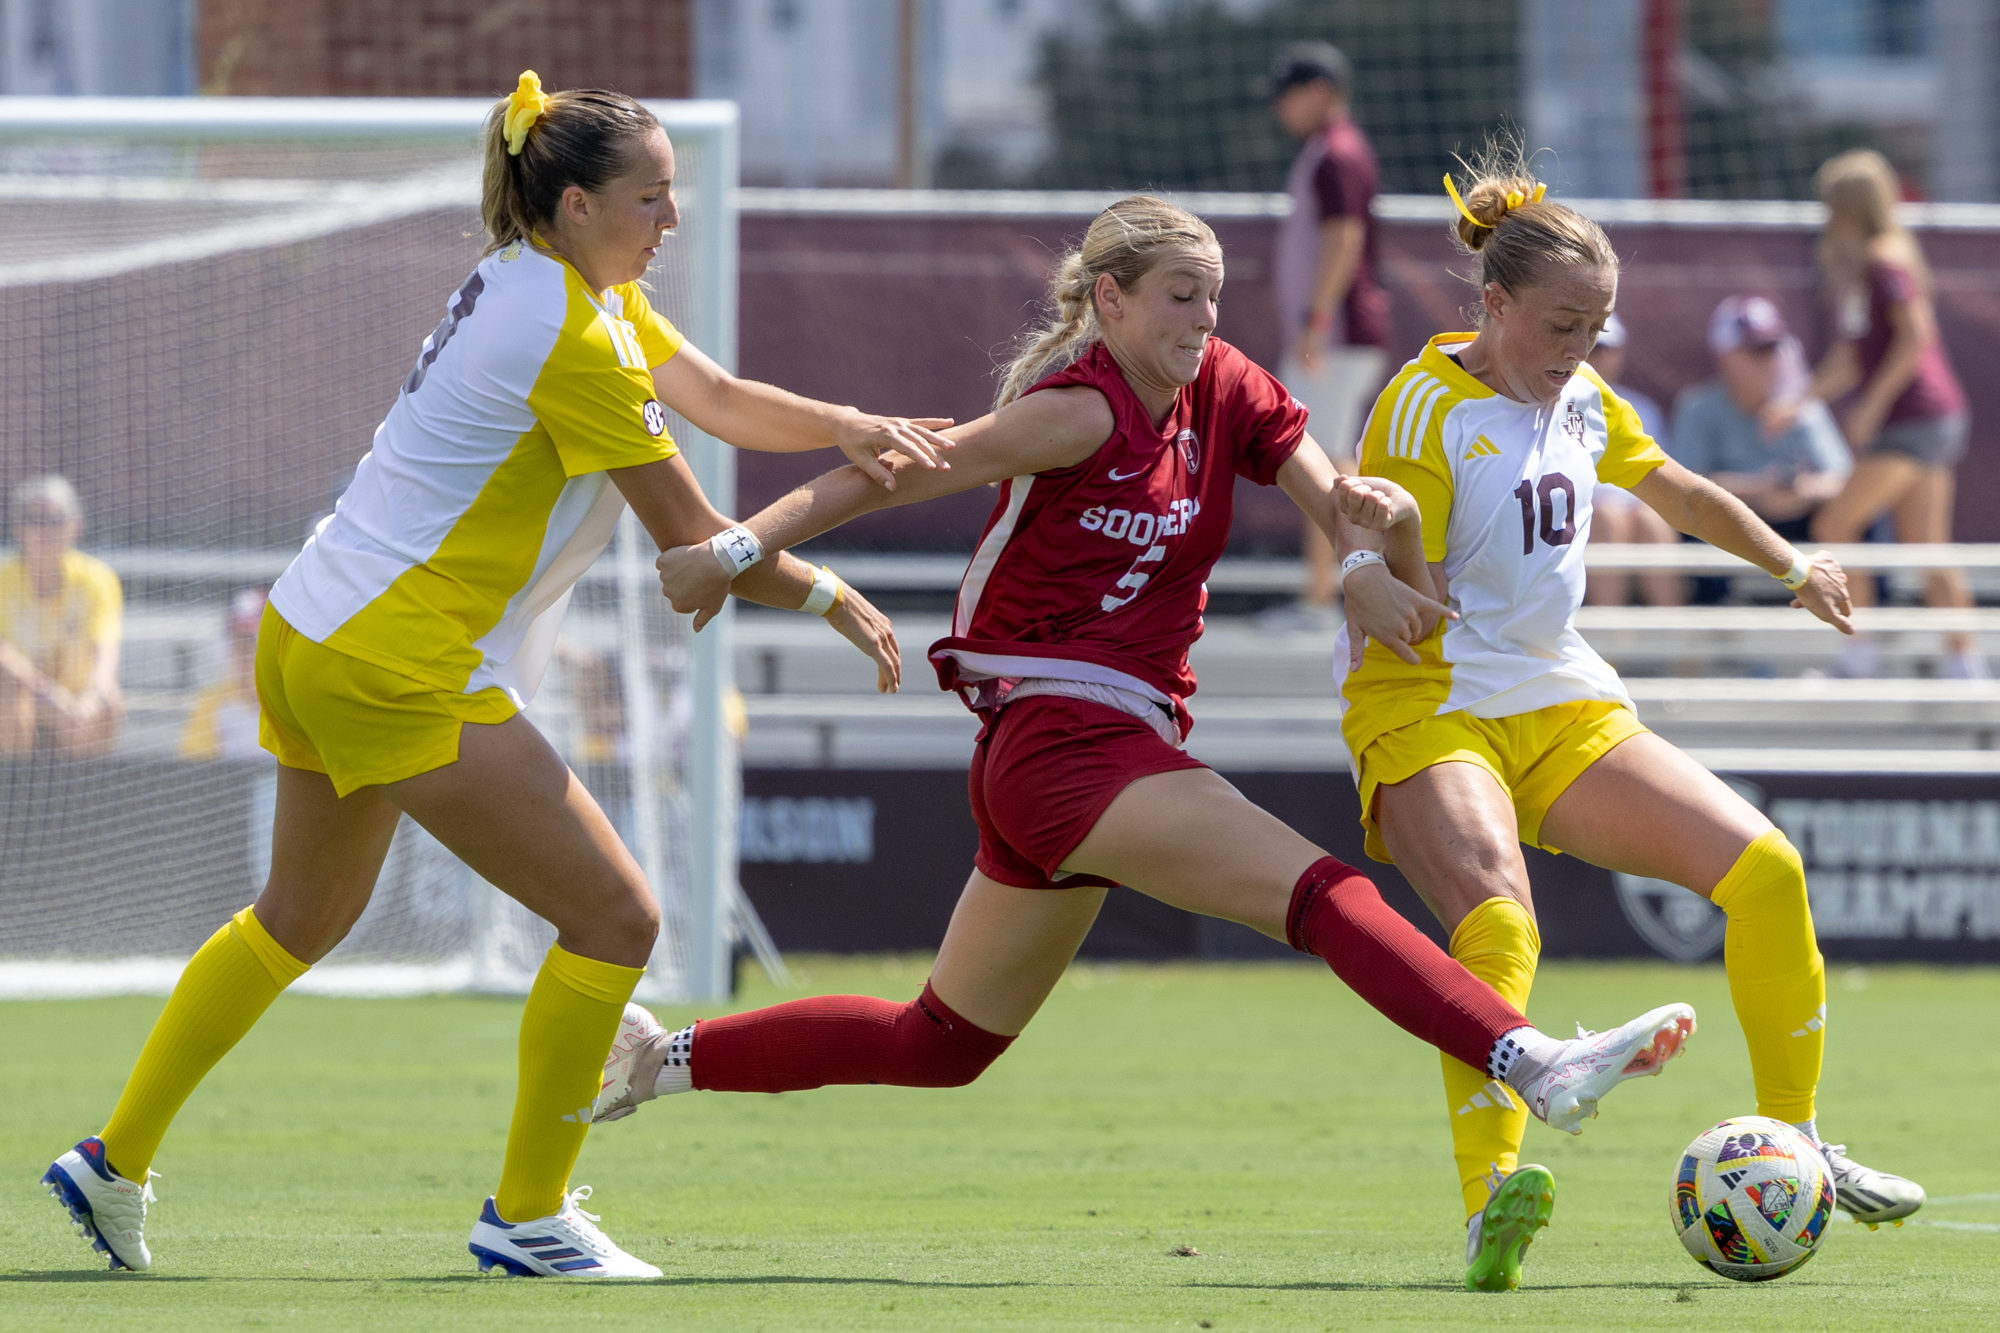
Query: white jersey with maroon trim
column 1097, row 572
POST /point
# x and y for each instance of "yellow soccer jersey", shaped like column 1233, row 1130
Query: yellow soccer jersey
column 451, row 557
column 62, row 634
column 1505, row 489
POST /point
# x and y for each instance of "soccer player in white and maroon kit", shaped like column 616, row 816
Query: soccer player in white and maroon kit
column 1116, row 468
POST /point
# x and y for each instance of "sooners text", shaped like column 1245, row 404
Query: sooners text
column 1141, row 529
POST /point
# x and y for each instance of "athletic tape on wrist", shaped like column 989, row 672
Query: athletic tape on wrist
column 737, row 548
column 1801, row 570
column 825, row 594
column 1360, row 560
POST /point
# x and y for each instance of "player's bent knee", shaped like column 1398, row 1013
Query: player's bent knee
column 636, row 922
column 1768, row 873
column 938, row 1049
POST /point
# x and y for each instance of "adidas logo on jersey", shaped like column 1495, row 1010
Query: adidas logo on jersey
column 1481, row 448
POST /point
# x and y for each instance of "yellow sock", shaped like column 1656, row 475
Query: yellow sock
column 566, row 1033
column 1498, row 943
column 1777, row 978
column 226, row 988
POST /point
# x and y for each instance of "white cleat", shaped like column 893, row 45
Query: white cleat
column 633, row 1067
column 1868, row 1195
column 109, row 1210
column 1567, row 1094
column 565, row 1245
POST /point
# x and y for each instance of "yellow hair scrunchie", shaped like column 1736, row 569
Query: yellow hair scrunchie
column 1452, row 190
column 1514, row 200
column 525, row 105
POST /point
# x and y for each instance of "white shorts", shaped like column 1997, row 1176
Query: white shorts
column 1338, row 397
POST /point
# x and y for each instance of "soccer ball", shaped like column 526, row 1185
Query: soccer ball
column 1751, row 1199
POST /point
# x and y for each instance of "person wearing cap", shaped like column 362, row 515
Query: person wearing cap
column 1333, row 313
column 1784, row 469
column 1619, row 516
column 59, row 630
column 223, row 724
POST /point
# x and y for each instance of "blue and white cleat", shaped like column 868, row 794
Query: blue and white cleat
column 109, row 1210
column 565, row 1245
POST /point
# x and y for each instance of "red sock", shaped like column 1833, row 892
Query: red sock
column 1338, row 915
column 842, row 1039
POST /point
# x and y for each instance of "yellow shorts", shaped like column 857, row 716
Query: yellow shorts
column 358, row 723
column 1533, row 756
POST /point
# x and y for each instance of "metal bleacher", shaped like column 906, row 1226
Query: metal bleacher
column 1744, row 686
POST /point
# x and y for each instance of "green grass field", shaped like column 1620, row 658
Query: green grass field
column 327, row 1173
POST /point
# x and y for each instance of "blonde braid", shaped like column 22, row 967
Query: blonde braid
column 1061, row 341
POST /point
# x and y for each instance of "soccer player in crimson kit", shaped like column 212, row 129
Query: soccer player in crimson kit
column 1121, row 430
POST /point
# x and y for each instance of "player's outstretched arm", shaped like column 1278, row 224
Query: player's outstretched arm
column 1390, row 603
column 1051, row 429
column 1697, row 506
column 670, row 503
column 752, row 415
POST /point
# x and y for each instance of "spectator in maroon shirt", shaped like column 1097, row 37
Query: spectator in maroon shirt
column 1907, row 419
column 1334, row 313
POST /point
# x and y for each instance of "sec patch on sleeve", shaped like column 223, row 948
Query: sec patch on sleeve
column 654, row 416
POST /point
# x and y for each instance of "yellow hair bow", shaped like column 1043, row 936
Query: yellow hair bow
column 525, row 105
column 1514, row 200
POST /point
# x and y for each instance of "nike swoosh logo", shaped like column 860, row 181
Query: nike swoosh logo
column 1116, row 475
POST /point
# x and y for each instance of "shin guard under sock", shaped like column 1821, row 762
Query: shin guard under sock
column 1337, row 915
column 1777, row 979
column 1497, row 942
column 566, row 1030
column 842, row 1039
column 223, row 991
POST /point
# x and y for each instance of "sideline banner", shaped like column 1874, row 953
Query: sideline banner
column 1899, row 867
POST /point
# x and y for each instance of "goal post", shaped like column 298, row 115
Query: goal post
column 207, row 306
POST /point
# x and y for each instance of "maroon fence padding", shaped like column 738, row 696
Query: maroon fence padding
column 913, row 314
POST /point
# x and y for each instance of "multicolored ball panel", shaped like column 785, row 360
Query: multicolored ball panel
column 1751, row 1199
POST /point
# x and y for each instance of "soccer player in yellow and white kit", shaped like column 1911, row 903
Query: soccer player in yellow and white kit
column 1508, row 728
column 397, row 652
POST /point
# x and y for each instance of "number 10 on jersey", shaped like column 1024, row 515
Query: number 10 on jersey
column 1538, row 511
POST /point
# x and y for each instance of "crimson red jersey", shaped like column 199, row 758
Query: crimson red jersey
column 1097, row 571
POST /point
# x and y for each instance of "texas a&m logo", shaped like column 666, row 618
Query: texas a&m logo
column 1190, row 448
column 1573, row 423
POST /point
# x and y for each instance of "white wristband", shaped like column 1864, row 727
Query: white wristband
column 825, row 594
column 1359, row 560
column 1801, row 570
column 736, row 549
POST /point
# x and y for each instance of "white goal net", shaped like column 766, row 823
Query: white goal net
column 206, row 306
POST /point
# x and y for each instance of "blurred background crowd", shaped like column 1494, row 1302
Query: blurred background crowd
column 1802, row 358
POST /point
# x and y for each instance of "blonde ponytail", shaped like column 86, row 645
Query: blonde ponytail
column 1126, row 240
column 583, row 137
column 1516, row 233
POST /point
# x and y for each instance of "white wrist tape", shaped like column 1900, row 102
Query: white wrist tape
column 1360, row 560
column 825, row 594
column 1801, row 570
column 736, row 548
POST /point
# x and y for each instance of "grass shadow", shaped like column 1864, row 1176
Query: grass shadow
column 770, row 1279
column 1434, row 1286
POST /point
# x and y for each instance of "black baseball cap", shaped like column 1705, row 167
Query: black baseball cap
column 1309, row 62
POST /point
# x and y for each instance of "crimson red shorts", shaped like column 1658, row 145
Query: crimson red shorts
column 1043, row 772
